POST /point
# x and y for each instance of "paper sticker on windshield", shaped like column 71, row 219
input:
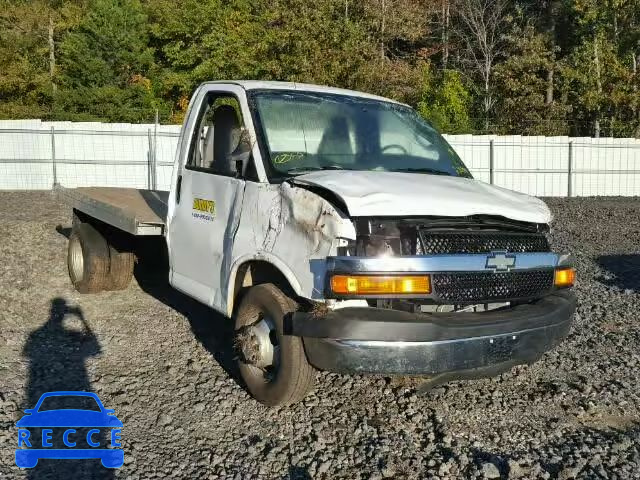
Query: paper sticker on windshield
column 204, row 209
column 286, row 157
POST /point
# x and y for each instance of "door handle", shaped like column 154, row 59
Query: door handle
column 178, row 188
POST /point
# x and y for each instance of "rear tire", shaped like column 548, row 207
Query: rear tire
column 289, row 377
column 87, row 259
column 120, row 269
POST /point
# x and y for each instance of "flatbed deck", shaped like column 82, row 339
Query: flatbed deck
column 139, row 212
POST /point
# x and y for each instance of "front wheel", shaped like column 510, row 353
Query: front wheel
column 273, row 366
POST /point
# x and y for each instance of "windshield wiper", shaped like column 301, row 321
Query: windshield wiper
column 422, row 170
column 315, row 168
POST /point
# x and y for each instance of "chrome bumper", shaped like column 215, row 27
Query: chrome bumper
column 462, row 345
column 444, row 262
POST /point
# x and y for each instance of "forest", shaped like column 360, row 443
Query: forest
column 528, row 67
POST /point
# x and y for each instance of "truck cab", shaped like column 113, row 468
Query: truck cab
column 339, row 231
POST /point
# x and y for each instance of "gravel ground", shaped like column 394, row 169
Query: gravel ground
column 161, row 361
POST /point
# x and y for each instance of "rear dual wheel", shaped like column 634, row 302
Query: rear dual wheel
column 95, row 265
column 121, row 265
column 87, row 259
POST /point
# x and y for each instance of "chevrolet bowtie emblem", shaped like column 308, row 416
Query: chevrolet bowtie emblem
column 500, row 261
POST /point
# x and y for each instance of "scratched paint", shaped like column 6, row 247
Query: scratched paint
column 292, row 228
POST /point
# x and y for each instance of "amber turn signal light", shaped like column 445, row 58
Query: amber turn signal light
column 380, row 285
column 564, row 277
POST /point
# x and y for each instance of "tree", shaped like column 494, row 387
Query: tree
column 328, row 42
column 397, row 27
column 527, row 66
column 607, row 92
column 29, row 34
column 604, row 86
column 481, row 26
column 105, row 63
column 525, row 87
column 445, row 101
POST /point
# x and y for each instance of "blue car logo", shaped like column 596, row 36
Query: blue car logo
column 69, row 425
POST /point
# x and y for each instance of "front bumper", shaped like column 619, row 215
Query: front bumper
column 457, row 345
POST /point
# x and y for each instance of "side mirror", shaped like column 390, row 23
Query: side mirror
column 29, row 410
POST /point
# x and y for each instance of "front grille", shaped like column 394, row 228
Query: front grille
column 482, row 242
column 482, row 287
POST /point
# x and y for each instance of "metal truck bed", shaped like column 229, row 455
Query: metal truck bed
column 139, row 212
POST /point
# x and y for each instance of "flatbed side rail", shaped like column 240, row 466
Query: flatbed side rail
column 138, row 212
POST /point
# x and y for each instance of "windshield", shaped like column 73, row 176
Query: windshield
column 307, row 131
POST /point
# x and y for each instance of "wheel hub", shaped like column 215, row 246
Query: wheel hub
column 76, row 260
column 256, row 344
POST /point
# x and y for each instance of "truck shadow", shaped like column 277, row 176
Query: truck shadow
column 211, row 329
column 623, row 271
column 57, row 353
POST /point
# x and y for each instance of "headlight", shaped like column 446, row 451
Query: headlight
column 377, row 238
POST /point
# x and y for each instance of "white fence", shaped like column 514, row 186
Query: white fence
column 36, row 155
column 553, row 166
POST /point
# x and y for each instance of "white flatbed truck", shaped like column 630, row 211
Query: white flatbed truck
column 339, row 231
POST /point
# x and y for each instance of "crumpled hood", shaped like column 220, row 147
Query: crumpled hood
column 397, row 194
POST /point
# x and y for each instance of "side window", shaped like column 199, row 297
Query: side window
column 217, row 135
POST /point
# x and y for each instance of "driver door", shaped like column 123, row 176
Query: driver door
column 208, row 202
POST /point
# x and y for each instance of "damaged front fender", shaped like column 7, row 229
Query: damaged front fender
column 293, row 228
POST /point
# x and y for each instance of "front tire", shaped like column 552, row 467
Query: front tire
column 273, row 366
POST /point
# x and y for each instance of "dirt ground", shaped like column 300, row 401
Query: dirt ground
column 162, row 361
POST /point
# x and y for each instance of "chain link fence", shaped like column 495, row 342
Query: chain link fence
column 38, row 155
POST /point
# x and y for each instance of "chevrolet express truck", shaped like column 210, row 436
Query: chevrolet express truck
column 339, row 231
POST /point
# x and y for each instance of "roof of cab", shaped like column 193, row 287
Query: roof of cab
column 306, row 87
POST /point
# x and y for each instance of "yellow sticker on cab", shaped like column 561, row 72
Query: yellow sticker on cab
column 204, row 209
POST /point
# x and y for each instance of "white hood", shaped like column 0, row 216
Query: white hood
column 398, row 194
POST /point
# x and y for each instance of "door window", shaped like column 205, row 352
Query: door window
column 217, row 135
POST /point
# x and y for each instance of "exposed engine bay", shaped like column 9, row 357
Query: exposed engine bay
column 426, row 236
column 384, row 237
